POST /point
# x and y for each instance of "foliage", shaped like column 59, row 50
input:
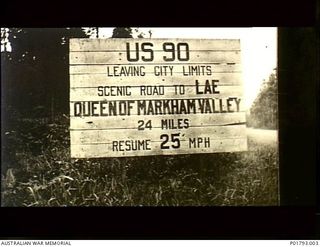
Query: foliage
column 126, row 32
column 38, row 171
column 122, row 32
column 36, row 78
column 92, row 32
column 264, row 111
column 141, row 34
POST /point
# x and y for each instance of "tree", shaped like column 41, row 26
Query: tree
column 122, row 32
column 37, row 69
column 264, row 110
column 127, row 32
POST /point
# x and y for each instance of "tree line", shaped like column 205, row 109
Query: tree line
column 264, row 110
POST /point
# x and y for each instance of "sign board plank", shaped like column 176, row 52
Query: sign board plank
column 150, row 107
column 95, row 80
column 91, row 45
column 145, row 92
column 221, row 145
column 155, row 97
column 109, row 135
column 130, row 122
column 115, row 57
column 115, row 70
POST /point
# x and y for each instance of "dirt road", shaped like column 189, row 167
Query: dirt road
column 261, row 136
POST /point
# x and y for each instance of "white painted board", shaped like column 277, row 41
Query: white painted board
column 139, row 97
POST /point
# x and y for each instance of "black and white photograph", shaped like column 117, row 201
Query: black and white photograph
column 139, row 116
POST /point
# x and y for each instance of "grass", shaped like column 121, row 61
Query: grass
column 37, row 171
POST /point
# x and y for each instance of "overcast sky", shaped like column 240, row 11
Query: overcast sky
column 258, row 50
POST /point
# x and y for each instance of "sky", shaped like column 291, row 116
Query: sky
column 258, row 50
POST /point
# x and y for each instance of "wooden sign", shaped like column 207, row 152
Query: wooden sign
column 138, row 97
